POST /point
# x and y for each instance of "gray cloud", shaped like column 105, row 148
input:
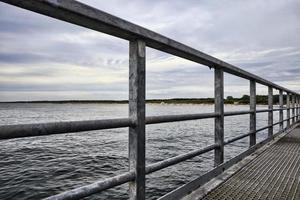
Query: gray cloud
column 38, row 53
column 65, row 88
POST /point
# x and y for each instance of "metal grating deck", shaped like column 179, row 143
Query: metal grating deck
column 274, row 174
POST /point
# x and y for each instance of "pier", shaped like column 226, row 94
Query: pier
column 268, row 169
column 271, row 172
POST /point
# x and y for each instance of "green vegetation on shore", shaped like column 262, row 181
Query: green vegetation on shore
column 260, row 99
column 245, row 99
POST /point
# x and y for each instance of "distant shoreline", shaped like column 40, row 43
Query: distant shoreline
column 261, row 99
column 158, row 101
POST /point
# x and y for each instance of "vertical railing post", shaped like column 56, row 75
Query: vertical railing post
column 219, row 121
column 137, row 115
column 297, row 110
column 298, row 104
column 270, row 113
column 280, row 111
column 293, row 108
column 253, row 112
column 288, row 124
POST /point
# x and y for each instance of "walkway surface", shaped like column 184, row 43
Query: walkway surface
column 274, row 174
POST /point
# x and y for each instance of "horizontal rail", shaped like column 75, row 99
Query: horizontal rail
column 267, row 110
column 174, row 118
column 92, row 18
column 177, row 159
column 231, row 140
column 279, row 109
column 263, row 110
column 263, row 128
column 277, row 123
column 232, row 113
column 286, row 120
column 274, row 109
column 42, row 129
column 87, row 190
column 28, row 130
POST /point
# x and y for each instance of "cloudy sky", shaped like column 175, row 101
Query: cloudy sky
column 45, row 59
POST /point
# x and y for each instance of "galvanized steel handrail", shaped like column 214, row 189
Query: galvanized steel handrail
column 99, row 186
column 231, row 140
column 139, row 38
column 177, row 159
column 175, row 118
column 41, row 129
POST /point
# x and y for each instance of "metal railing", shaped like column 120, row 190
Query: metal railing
column 139, row 38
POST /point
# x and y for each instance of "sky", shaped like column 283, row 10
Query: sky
column 46, row 59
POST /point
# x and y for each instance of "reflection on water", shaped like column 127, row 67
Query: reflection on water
column 37, row 167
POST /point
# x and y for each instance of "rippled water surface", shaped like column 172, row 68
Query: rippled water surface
column 37, row 167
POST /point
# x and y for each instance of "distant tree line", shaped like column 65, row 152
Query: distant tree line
column 245, row 99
